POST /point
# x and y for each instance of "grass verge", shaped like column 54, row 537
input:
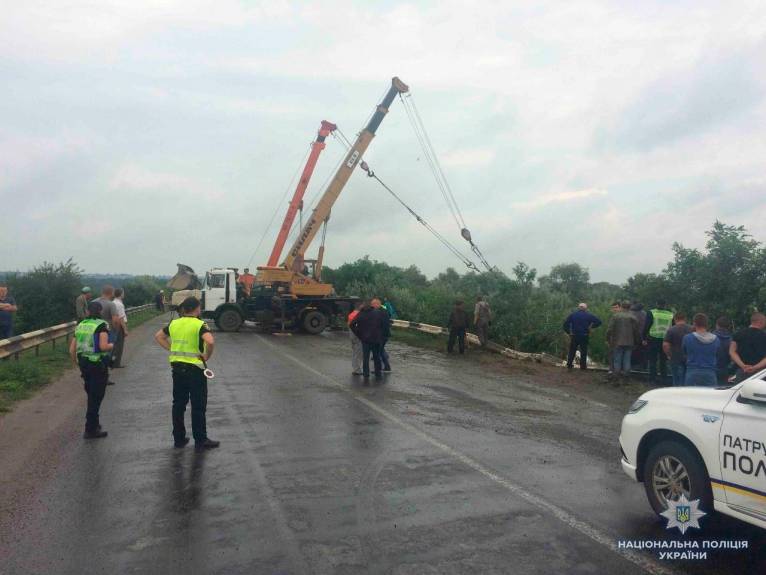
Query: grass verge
column 420, row 339
column 20, row 378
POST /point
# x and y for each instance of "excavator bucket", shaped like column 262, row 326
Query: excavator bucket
column 185, row 279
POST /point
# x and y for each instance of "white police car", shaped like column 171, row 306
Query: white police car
column 704, row 443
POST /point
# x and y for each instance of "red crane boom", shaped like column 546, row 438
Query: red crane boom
column 316, row 148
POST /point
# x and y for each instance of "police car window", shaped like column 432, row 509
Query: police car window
column 217, row 281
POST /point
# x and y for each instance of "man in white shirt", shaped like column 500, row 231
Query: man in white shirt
column 120, row 328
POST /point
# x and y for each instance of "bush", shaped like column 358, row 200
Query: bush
column 728, row 278
column 45, row 296
column 141, row 290
column 526, row 317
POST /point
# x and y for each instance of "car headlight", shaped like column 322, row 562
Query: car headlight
column 637, row 406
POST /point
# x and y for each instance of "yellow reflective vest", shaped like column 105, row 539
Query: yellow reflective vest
column 85, row 337
column 184, row 340
column 663, row 319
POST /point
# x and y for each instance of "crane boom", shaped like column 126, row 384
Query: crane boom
column 316, row 148
column 294, row 259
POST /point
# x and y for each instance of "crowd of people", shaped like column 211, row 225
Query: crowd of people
column 112, row 312
column 698, row 353
column 370, row 329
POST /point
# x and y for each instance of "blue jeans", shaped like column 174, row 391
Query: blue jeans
column 696, row 376
column 621, row 358
column 678, row 371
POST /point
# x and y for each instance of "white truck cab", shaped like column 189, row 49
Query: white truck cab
column 703, row 443
column 218, row 295
column 219, row 286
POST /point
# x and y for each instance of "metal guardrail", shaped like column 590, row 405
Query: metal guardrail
column 14, row 346
column 474, row 339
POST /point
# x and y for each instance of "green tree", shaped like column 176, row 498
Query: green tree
column 727, row 277
column 571, row 279
column 45, row 296
column 141, row 290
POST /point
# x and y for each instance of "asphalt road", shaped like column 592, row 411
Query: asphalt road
column 450, row 465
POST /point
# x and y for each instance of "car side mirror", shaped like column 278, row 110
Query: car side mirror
column 753, row 391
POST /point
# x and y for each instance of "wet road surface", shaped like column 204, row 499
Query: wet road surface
column 450, row 465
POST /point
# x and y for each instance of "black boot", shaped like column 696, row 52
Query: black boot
column 207, row 444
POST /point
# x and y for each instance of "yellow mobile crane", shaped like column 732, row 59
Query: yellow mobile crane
column 291, row 272
column 284, row 295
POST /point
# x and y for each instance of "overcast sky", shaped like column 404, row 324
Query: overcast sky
column 134, row 135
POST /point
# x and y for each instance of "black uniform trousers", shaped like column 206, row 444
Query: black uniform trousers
column 456, row 333
column 95, row 376
column 376, row 350
column 576, row 341
column 655, row 353
column 384, row 356
column 189, row 383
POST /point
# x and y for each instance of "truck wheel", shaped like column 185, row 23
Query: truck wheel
column 314, row 322
column 672, row 469
column 229, row 320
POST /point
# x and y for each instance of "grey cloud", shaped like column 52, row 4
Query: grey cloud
column 718, row 89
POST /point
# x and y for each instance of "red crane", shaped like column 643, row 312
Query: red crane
column 316, row 148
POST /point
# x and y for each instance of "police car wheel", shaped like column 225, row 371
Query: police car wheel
column 229, row 320
column 672, row 469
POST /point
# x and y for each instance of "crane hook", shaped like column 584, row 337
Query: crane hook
column 366, row 168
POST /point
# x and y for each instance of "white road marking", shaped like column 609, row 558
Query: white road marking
column 645, row 563
column 291, row 546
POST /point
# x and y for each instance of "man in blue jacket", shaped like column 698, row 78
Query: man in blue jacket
column 578, row 326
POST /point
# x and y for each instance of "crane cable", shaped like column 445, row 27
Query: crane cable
column 468, row 263
column 438, row 173
column 279, row 205
column 295, row 229
column 432, row 163
column 341, row 137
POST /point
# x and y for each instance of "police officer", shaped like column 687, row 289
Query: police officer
column 190, row 344
column 90, row 351
column 658, row 322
